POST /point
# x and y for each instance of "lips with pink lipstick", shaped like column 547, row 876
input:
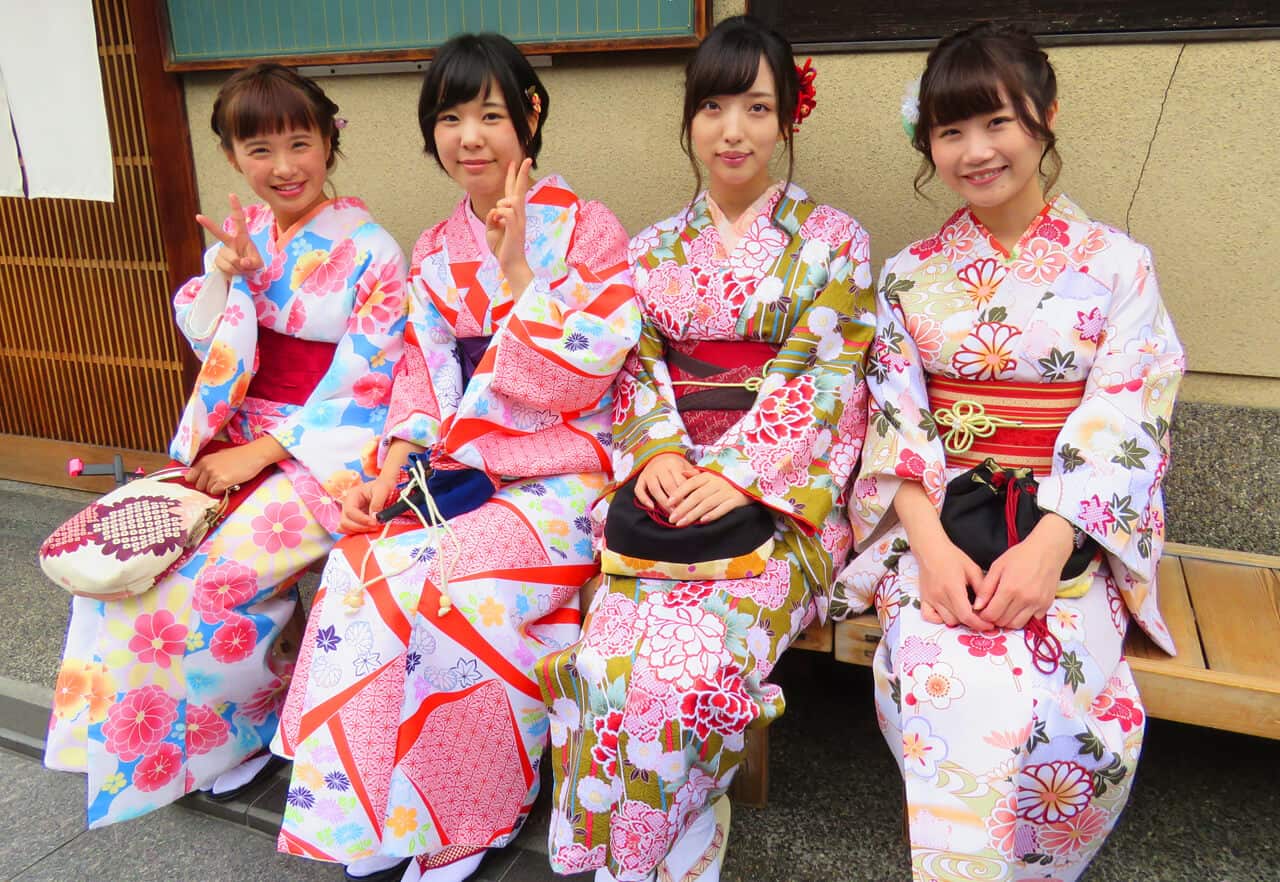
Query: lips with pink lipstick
column 475, row 165
column 986, row 176
column 291, row 190
column 733, row 158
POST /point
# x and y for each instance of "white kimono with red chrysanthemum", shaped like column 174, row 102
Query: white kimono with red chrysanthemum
column 1013, row 772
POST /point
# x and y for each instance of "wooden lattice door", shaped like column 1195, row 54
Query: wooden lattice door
column 90, row 363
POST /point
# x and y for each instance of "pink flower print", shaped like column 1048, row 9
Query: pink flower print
column 957, row 239
column 326, row 272
column 650, row 704
column 158, row 768
column 921, row 749
column 917, row 651
column 187, row 293
column 865, row 488
column 265, row 701
column 639, row 836
column 157, row 636
column 702, row 251
column 234, row 640
column 1052, row 792
column 926, row 248
column 138, row 722
column 1093, row 243
column 718, row 704
column 987, row 353
column 1053, row 230
column 934, row 684
column 1096, row 516
column 981, row 279
column 669, row 295
column 605, row 748
column 372, row 389
column 256, row 217
column 267, row 312
column 279, row 526
column 888, row 356
column 687, row 593
column 261, row 281
column 383, row 304
column 827, row 225
column 1068, row 837
column 221, row 588
column 784, row 414
column 218, row 417
column 612, row 631
column 1040, row 262
column 910, row 465
column 691, row 796
column 981, row 645
column 1091, row 325
column 927, row 335
column 769, row 589
column 1129, row 714
column 758, row 248
column 577, row 858
column 684, row 643
column 1002, row 825
column 205, row 730
column 233, row 315
column 297, row 318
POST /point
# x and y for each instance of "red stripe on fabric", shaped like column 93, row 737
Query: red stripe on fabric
column 565, row 615
column 327, row 710
column 560, row 574
column 552, row 195
column 296, row 846
column 456, row 627
column 343, row 747
column 525, row 333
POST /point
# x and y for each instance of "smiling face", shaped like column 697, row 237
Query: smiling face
column 286, row 170
column 735, row 136
column 990, row 160
column 475, row 142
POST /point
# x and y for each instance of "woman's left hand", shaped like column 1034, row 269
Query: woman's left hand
column 504, row 228
column 704, row 497
column 217, row 472
column 1023, row 581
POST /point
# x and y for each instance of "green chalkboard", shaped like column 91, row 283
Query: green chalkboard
column 224, row 33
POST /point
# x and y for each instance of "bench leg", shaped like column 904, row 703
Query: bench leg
column 751, row 784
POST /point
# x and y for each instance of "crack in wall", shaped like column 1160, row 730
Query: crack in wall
column 1128, row 225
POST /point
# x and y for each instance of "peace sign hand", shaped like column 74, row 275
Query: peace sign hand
column 504, row 228
column 238, row 256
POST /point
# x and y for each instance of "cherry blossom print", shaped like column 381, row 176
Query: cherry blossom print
column 1094, row 243
column 234, row 640
column 187, row 293
column 827, row 225
column 1095, row 515
column 1053, row 230
column 320, row 273
column 205, row 730
column 1067, row 837
column 784, row 414
column 279, row 526
column 987, row 353
column 1091, row 325
column 1052, row 792
column 613, row 626
column 910, row 465
column 372, row 390
column 683, row 643
column 222, row 587
column 138, row 722
column 718, row 704
column 957, row 239
column 921, row 749
column 639, row 836
column 935, row 684
column 380, row 299
column 1040, row 262
column 984, row 645
column 157, row 637
column 158, row 768
column 981, row 280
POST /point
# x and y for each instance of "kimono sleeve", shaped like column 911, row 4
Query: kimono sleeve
column 1111, row 455
column 566, row 339
column 902, row 443
column 338, row 427
column 428, row 380
column 645, row 420
column 198, row 305
column 781, row 451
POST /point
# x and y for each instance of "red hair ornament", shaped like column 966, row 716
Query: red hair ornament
column 806, row 97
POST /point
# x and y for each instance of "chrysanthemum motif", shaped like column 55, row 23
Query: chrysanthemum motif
column 988, row 352
column 1052, row 792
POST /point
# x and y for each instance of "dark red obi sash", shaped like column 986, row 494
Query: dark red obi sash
column 715, row 383
column 289, row 369
column 1016, row 424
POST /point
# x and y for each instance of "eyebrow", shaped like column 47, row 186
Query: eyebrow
column 493, row 102
column 760, row 95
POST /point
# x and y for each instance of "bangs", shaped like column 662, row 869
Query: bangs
column 464, row 76
column 268, row 106
column 728, row 69
column 967, row 83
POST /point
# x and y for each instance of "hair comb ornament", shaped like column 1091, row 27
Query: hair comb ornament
column 806, row 98
column 339, row 122
column 535, row 100
column 911, row 108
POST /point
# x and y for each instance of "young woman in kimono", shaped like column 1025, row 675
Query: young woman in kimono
column 298, row 321
column 1027, row 333
column 746, row 390
column 415, row 723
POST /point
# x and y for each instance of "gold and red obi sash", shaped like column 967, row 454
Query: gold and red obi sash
column 1016, row 424
column 289, row 368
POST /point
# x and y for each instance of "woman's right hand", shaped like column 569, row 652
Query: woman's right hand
column 946, row 575
column 238, row 255
column 659, row 478
column 363, row 502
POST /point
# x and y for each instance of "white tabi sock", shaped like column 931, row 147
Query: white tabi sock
column 376, row 864
column 241, row 774
column 461, row 869
column 691, row 845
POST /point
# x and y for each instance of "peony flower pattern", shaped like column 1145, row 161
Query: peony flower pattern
column 158, row 768
column 139, row 721
column 221, row 588
column 718, row 704
column 157, row 637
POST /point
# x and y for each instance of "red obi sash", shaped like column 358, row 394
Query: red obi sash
column 715, row 383
column 1016, row 424
column 289, row 369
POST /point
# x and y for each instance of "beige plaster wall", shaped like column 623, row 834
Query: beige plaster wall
column 1177, row 144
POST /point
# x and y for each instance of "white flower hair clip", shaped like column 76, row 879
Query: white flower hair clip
column 911, row 108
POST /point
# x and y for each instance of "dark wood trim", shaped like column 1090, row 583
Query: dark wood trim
column 44, row 461
column 169, row 144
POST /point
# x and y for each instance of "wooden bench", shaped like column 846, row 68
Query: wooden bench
column 1223, row 609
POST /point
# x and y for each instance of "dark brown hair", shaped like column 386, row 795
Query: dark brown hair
column 269, row 98
column 726, row 63
column 966, row 75
column 468, row 65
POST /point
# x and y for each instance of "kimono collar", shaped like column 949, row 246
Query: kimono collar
column 732, row 231
column 278, row 238
column 1059, row 207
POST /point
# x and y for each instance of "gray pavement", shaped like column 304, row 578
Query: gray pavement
column 1205, row 804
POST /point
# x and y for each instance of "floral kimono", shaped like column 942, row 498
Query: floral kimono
column 419, row 732
column 1017, row 750
column 161, row 693
column 649, row 708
